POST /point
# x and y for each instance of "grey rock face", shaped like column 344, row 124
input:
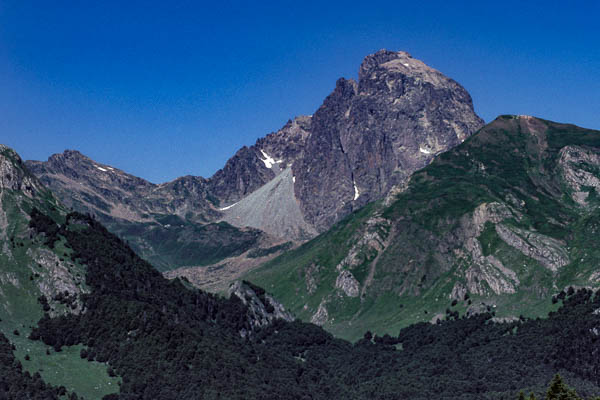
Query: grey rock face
column 550, row 252
column 13, row 175
column 263, row 309
column 252, row 167
column 347, row 283
column 57, row 279
column 322, row 315
column 371, row 135
column 580, row 169
column 484, row 271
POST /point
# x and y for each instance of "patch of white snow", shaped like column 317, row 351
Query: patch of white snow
column 228, row 207
column 100, row 168
column 269, row 161
column 425, row 151
column 294, row 179
column 356, row 192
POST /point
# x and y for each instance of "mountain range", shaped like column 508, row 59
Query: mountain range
column 374, row 211
column 390, row 245
column 82, row 316
column 364, row 141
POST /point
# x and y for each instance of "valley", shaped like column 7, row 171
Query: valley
column 390, row 245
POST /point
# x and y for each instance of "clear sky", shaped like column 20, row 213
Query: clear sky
column 168, row 88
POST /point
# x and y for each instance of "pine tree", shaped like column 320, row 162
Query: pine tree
column 558, row 390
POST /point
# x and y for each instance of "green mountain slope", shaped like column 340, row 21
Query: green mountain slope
column 503, row 222
column 115, row 315
column 36, row 276
column 170, row 341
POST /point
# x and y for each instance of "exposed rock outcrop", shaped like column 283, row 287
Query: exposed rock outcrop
column 580, row 168
column 484, row 272
column 13, row 174
column 347, row 283
column 263, row 309
column 550, row 252
column 321, row 316
column 58, row 279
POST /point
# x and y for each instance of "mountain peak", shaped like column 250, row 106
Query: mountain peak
column 69, row 156
column 368, row 137
column 384, row 63
column 381, row 57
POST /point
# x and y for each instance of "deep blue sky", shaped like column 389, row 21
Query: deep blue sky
column 167, row 88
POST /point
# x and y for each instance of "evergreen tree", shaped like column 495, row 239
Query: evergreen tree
column 558, row 390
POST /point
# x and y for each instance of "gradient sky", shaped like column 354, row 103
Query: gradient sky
column 163, row 89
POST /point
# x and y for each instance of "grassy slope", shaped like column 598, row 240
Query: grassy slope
column 20, row 310
column 515, row 163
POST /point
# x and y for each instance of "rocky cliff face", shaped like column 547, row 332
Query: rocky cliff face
column 372, row 134
column 263, row 309
column 252, row 167
column 14, row 176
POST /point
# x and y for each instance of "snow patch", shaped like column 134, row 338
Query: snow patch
column 100, row 168
column 294, row 179
column 227, row 208
column 405, row 64
column 424, row 151
column 269, row 161
column 356, row 192
column 111, row 168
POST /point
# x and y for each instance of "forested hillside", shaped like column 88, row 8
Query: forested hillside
column 84, row 316
column 169, row 341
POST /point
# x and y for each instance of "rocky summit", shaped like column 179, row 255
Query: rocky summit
column 370, row 135
column 364, row 141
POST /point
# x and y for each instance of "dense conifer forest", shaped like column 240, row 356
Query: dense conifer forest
column 167, row 341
